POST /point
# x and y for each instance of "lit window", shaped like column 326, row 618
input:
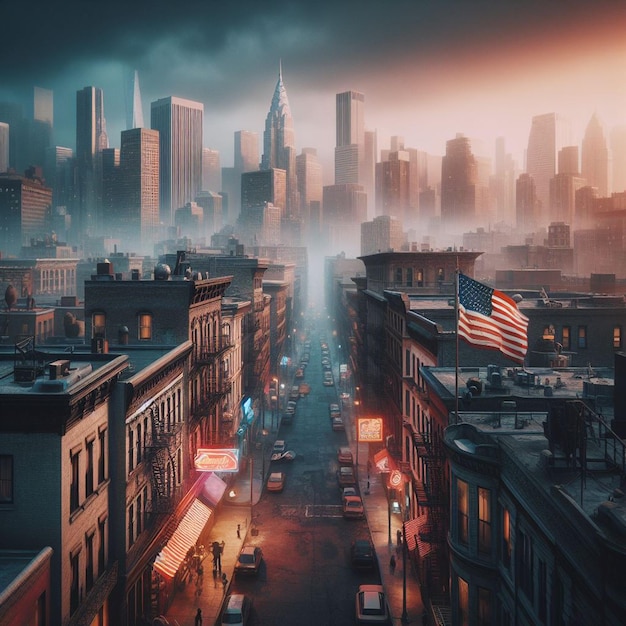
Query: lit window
column 463, row 602
column 98, row 325
column 506, row 538
column 484, row 520
column 145, row 326
column 462, row 499
column 617, row 337
column 566, row 337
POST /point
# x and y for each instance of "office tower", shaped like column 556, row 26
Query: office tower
column 263, row 186
column 563, row 189
column 393, row 186
column 179, row 123
column 344, row 209
column 134, row 106
column 568, row 161
column 260, row 225
column 370, row 158
column 59, row 168
column 350, row 137
column 310, row 183
column 618, row 154
column 585, row 206
column 11, row 113
column 548, row 133
column 246, row 151
column 91, row 140
column 211, row 204
column 138, row 212
column 279, row 151
column 527, row 204
column 4, row 147
column 504, row 183
column 111, row 191
column 43, row 105
column 595, row 157
column 464, row 190
column 24, row 212
column 211, row 170
column 382, row 234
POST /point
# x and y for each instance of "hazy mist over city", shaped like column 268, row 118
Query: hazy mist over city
column 428, row 69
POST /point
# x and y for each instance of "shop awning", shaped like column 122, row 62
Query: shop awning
column 415, row 533
column 185, row 536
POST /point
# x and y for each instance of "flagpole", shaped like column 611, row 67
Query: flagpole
column 456, row 357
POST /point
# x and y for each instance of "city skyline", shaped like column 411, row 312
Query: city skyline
column 427, row 71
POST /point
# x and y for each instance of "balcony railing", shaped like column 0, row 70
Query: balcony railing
column 207, row 352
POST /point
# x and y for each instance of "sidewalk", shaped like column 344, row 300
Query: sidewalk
column 235, row 510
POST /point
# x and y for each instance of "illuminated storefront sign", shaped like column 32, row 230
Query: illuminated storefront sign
column 369, row 429
column 217, row 460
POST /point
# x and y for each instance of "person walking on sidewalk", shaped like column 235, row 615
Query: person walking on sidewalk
column 198, row 620
column 392, row 563
column 224, row 582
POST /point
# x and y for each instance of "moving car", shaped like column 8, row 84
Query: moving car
column 371, row 605
column 334, row 410
column 287, row 455
column 291, row 407
column 276, row 481
column 344, row 456
column 362, row 554
column 328, row 379
column 236, row 610
column 279, row 446
column 345, row 477
column 353, row 507
column 299, row 373
column 294, row 394
column 249, row 560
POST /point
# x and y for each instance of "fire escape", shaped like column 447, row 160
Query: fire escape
column 432, row 494
column 209, row 355
column 161, row 451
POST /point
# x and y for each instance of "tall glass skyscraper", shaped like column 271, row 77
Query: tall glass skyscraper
column 179, row 123
column 349, row 149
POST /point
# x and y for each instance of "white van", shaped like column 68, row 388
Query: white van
column 236, row 610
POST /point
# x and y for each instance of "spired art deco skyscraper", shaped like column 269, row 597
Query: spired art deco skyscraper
column 134, row 106
column 179, row 123
column 279, row 146
column 595, row 157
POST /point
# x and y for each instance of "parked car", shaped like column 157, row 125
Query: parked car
column 276, row 481
column 249, row 560
column 349, row 491
column 338, row 424
column 236, row 610
column 353, row 507
column 344, row 456
column 334, row 410
column 292, row 405
column 299, row 373
column 362, row 554
column 345, row 477
column 371, row 605
column 328, row 379
column 294, row 394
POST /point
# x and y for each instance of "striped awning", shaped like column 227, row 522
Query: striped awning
column 185, row 536
column 415, row 531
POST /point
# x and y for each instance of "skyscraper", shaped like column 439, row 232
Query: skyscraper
column 595, row 157
column 618, row 153
column 179, row 123
column 548, row 134
column 350, row 137
column 246, row 151
column 262, row 186
column 134, row 106
column 279, row 149
column 4, row 147
column 91, row 140
column 211, row 170
column 310, row 183
column 393, row 181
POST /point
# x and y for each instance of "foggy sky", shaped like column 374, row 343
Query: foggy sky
column 429, row 68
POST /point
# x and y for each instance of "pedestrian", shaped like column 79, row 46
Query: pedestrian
column 392, row 563
column 200, row 575
column 215, row 578
column 399, row 537
column 238, row 531
column 224, row 582
column 198, row 620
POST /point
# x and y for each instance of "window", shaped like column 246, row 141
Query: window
column 398, row 275
column 566, row 338
column 484, row 521
column 101, row 456
column 506, row 538
column 463, row 603
column 617, row 337
column 420, row 278
column 131, row 525
column 102, row 524
column 89, row 469
column 409, row 277
column 462, row 500
column 89, row 562
column 145, row 326
column 139, row 442
column 582, row 336
column 75, row 584
column 131, row 450
column 6, row 478
column 484, row 607
column 98, row 325
column 524, row 551
column 74, row 486
column 440, row 275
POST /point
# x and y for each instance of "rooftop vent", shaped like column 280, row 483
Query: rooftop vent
column 58, row 369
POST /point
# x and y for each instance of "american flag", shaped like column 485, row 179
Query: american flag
column 489, row 318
